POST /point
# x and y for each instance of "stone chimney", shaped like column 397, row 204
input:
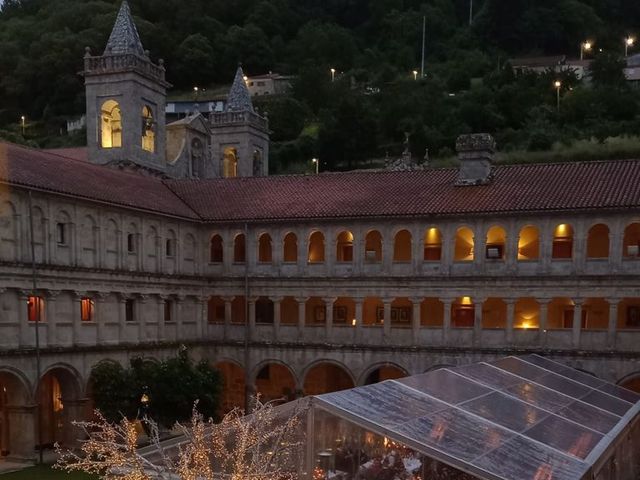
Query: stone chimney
column 475, row 153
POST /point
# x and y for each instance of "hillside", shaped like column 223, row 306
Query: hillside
column 374, row 45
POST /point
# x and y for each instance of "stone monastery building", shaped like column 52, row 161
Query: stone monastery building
column 173, row 235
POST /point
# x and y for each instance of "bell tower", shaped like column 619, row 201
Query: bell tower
column 126, row 96
column 239, row 136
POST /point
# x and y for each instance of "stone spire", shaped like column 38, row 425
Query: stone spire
column 124, row 37
column 239, row 99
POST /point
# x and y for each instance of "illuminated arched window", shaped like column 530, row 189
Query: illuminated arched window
column 148, row 131
column 110, row 125
column 464, row 244
column 496, row 240
column 528, row 243
column 230, row 162
column 316, row 248
column 562, row 241
column 432, row 245
column 344, row 247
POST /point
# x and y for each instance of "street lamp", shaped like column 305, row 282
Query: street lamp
column 628, row 42
column 557, row 84
column 22, row 123
column 316, row 163
column 415, row 74
column 195, row 92
column 585, row 47
column 333, row 74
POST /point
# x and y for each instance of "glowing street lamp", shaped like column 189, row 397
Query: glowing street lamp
column 585, row 47
column 22, row 123
column 557, row 84
column 628, row 43
column 415, row 74
column 316, row 163
column 333, row 74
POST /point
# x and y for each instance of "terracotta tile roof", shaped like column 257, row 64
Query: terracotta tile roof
column 76, row 153
column 514, row 189
column 46, row 171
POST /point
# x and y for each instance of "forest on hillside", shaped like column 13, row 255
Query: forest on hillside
column 374, row 45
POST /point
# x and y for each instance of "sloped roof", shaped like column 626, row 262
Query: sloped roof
column 124, row 37
column 515, row 418
column 515, row 188
column 76, row 153
column 239, row 98
column 46, row 171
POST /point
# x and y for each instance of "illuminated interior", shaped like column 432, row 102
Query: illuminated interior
column 316, row 248
column 86, row 309
column 35, row 307
column 463, row 313
column 631, row 241
column 372, row 311
column 526, row 314
column 264, row 248
column 432, row 245
column 463, row 251
column 344, row 311
column 402, row 246
column 432, row 312
column 496, row 241
column 344, row 247
column 239, row 249
column 290, row 248
column 529, row 243
column 373, row 246
column 560, row 313
column 110, row 125
column 563, row 241
column 230, row 162
column 598, row 241
column 148, row 130
column 494, row 313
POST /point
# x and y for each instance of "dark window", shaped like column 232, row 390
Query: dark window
column 216, row 249
column 131, row 243
column 168, row 310
column 86, row 309
column 170, row 248
column 61, row 233
column 129, row 310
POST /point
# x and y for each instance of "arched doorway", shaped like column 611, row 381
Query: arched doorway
column 60, row 397
column 233, row 388
column 326, row 377
column 17, row 429
column 384, row 372
column 275, row 381
column 631, row 382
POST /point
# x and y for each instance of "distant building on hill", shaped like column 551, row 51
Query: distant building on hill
column 269, row 84
column 558, row 63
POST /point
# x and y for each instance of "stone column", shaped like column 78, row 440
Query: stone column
column 76, row 317
column 99, row 246
column 448, row 244
column 359, row 251
column 615, row 249
column 511, row 250
column 613, row 321
column 330, row 254
column 51, row 317
column 251, row 313
column 121, row 254
column 276, row 316
column 477, row 319
column 546, row 245
column 100, row 320
column 140, row 317
column 446, row 321
column 301, row 315
column 543, row 302
column 302, row 252
column 577, row 321
column 579, row 248
column 160, row 305
column 228, row 304
column 251, row 250
column 417, row 249
column 24, row 329
column 415, row 319
column 359, row 302
column 179, row 316
column 511, row 306
column 387, row 244
column 122, row 313
column 387, row 316
column 22, row 420
column 202, row 325
column 328, row 315
column 73, row 244
column 479, row 247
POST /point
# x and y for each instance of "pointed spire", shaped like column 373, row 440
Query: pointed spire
column 239, row 99
column 124, row 37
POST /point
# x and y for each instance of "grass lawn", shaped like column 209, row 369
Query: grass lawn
column 45, row 472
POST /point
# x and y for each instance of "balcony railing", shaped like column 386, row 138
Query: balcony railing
column 122, row 63
column 238, row 118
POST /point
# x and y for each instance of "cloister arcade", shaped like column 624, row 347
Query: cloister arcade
column 465, row 245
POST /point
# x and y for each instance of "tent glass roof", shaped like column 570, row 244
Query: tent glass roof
column 517, row 418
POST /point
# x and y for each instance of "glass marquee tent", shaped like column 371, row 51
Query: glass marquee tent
column 520, row 418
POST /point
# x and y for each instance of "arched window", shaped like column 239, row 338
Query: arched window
column 528, row 243
column 316, row 248
column 373, row 247
column 110, row 125
column 344, row 247
column 148, row 130
column 216, row 251
column 290, row 248
column 598, row 241
column 264, row 248
column 631, row 241
column 496, row 239
column 464, row 245
column 432, row 245
column 197, row 163
column 402, row 246
column 563, row 241
column 239, row 250
column 230, row 162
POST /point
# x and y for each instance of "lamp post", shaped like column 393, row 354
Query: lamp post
column 557, row 84
column 316, row 162
column 196, row 90
column 585, row 47
column 415, row 74
column 333, row 74
column 22, row 123
column 628, row 42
